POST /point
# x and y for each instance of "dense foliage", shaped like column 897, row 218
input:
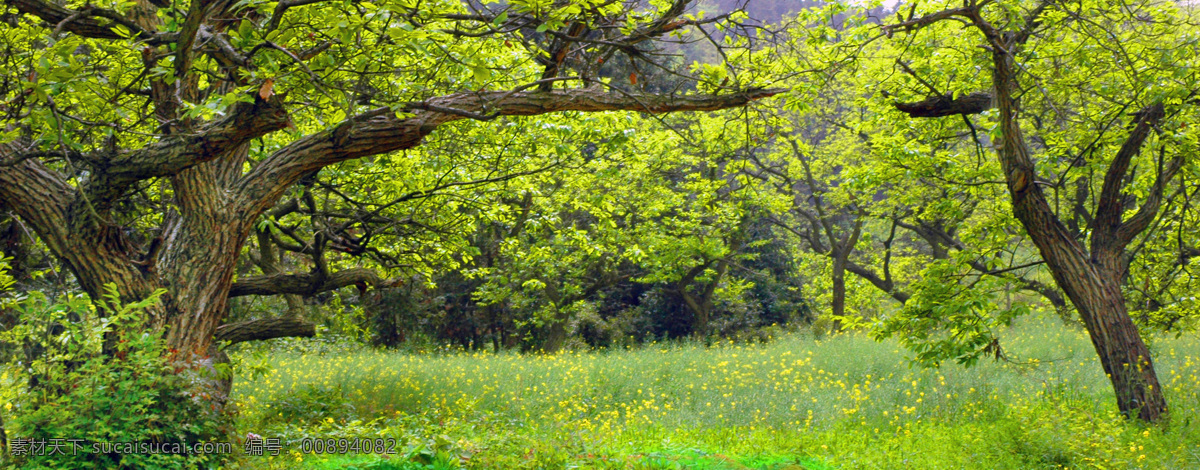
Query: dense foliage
column 62, row 387
column 546, row 176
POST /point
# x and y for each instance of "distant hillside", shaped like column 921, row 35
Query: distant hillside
column 772, row 11
column 769, row 11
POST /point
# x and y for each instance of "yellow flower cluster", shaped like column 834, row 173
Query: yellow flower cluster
column 845, row 395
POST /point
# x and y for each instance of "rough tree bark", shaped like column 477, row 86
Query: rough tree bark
column 256, row 330
column 1091, row 278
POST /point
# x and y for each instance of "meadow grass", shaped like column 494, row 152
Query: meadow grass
column 844, row 401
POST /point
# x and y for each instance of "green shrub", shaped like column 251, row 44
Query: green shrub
column 310, row 404
column 103, row 379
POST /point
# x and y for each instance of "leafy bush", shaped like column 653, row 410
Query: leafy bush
column 309, row 404
column 103, row 379
column 591, row 328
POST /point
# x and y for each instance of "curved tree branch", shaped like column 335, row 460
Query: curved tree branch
column 173, row 154
column 381, row 131
column 1109, row 206
column 86, row 21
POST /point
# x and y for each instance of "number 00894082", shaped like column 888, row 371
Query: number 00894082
column 380, row 445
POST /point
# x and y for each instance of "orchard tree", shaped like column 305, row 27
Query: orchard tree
column 144, row 141
column 1087, row 99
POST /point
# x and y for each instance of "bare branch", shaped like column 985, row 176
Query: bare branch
column 84, row 22
column 38, row 195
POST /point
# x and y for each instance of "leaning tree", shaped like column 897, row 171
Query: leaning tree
column 1091, row 99
column 145, row 141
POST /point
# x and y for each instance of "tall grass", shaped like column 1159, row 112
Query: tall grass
column 845, row 400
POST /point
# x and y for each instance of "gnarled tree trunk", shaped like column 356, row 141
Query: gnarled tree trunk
column 1091, row 279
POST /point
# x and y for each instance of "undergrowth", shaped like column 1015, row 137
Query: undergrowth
column 844, row 401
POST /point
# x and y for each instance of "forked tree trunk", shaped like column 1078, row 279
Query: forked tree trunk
column 1094, row 287
column 1091, row 280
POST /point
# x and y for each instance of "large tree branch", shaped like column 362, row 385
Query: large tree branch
column 943, row 105
column 267, row 328
column 196, row 14
column 382, row 131
column 303, row 284
column 93, row 250
column 86, row 21
column 172, row 154
column 38, row 196
column 1109, row 207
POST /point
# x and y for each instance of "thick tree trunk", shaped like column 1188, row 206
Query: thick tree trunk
column 199, row 272
column 1091, row 281
column 1094, row 288
column 1123, row 354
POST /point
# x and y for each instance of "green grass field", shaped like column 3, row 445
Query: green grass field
column 840, row 402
